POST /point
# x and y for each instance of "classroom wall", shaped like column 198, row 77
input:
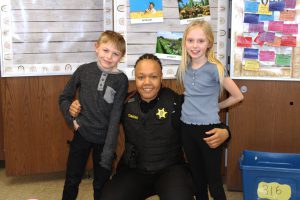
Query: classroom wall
column 35, row 135
column 267, row 120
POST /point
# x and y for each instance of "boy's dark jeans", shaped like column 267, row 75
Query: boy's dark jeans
column 77, row 159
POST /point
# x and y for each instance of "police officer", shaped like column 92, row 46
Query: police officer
column 153, row 161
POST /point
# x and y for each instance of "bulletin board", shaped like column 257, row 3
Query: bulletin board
column 142, row 37
column 265, row 40
column 43, row 38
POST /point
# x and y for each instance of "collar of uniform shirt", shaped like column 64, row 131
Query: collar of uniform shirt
column 146, row 106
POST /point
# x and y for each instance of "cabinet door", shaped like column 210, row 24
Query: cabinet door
column 35, row 133
column 264, row 121
column 1, row 124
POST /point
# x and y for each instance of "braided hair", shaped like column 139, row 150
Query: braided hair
column 148, row 56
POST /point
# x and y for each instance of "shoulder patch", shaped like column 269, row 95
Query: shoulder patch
column 131, row 100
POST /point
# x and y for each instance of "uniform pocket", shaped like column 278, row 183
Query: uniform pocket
column 109, row 94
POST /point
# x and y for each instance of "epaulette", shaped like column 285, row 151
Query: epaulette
column 129, row 98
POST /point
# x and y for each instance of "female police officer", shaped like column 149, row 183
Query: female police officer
column 153, row 161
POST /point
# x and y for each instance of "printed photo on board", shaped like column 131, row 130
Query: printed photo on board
column 146, row 11
column 168, row 45
column 193, row 9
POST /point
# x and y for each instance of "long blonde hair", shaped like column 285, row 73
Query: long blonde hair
column 210, row 54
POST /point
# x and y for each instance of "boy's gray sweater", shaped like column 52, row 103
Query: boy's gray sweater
column 101, row 96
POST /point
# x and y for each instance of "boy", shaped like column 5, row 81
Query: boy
column 101, row 91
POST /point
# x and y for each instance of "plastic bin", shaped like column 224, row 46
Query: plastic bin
column 269, row 175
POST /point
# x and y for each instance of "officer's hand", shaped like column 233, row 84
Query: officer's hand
column 217, row 137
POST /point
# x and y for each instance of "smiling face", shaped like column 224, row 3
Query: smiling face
column 108, row 55
column 197, row 45
column 148, row 78
column 151, row 6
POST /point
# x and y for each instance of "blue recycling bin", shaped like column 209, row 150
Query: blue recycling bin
column 269, row 175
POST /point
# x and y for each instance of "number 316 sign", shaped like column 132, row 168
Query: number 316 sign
column 274, row 190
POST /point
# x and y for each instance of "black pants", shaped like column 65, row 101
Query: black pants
column 78, row 156
column 205, row 162
column 173, row 183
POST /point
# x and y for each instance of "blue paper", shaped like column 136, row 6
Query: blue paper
column 250, row 53
column 266, row 17
column 251, row 18
column 276, row 5
column 251, row 6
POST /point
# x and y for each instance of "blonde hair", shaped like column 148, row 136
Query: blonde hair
column 115, row 38
column 210, row 54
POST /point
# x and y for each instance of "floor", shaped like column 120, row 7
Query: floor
column 49, row 187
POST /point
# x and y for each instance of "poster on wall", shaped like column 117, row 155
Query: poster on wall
column 193, row 9
column 145, row 11
column 168, row 45
column 268, row 45
column 42, row 38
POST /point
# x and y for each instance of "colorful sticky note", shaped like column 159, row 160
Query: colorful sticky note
column 252, row 65
column 251, row 18
column 266, row 17
column 276, row 5
column 256, row 27
column 287, row 15
column 250, row 53
column 267, row 37
column 251, row 6
column 244, row 41
column 266, row 55
column 275, row 26
column 283, row 60
column 257, row 40
column 290, row 29
column 275, row 43
column 287, row 40
column 264, row 9
column 290, row 3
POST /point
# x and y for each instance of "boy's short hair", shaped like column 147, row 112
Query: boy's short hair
column 115, row 38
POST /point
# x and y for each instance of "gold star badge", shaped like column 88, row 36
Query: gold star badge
column 161, row 113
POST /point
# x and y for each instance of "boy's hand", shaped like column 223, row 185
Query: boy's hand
column 76, row 125
column 75, row 108
column 218, row 137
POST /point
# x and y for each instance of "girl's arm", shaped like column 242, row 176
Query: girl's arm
column 235, row 94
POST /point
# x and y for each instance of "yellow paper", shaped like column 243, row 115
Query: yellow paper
column 274, row 190
column 252, row 65
column 264, row 9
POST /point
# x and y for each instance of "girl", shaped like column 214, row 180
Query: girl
column 203, row 77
